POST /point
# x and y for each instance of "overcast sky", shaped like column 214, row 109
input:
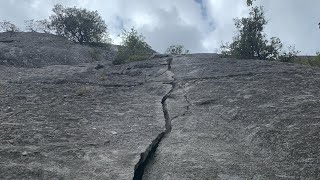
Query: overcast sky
column 199, row 25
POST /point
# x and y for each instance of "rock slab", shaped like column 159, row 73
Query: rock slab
column 79, row 122
column 240, row 119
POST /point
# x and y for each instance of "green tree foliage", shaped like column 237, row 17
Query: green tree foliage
column 251, row 41
column 79, row 25
column 249, row 2
column 133, row 47
column 7, row 26
column 176, row 50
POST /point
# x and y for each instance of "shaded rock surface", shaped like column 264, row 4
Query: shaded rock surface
column 31, row 49
column 240, row 119
column 76, row 122
column 66, row 116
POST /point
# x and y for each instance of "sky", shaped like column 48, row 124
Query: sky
column 199, row 25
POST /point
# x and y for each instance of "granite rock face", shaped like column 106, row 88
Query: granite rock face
column 173, row 118
column 31, row 49
column 76, row 122
column 240, row 119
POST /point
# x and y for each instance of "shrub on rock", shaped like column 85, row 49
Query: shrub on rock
column 251, row 41
column 7, row 26
column 42, row 26
column 79, row 25
column 177, row 50
column 133, row 48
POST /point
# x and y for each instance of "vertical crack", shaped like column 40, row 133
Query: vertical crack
column 188, row 106
column 165, row 109
column 147, row 155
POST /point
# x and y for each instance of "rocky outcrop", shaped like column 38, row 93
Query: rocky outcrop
column 189, row 117
column 79, row 122
column 240, row 119
column 31, row 49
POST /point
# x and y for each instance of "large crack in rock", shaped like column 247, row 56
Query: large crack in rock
column 251, row 120
column 216, row 119
column 147, row 155
column 70, row 122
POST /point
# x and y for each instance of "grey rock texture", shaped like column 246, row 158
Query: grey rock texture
column 76, row 122
column 169, row 118
column 240, row 119
column 31, row 49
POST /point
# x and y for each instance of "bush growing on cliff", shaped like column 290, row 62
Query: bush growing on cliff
column 7, row 26
column 249, row 2
column 133, row 47
column 42, row 26
column 79, row 25
column 176, row 50
column 310, row 61
column 251, row 41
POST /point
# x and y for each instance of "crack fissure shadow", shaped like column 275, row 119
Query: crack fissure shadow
column 148, row 154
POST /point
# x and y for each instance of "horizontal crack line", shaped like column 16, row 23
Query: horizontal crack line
column 88, row 83
column 218, row 77
column 79, row 82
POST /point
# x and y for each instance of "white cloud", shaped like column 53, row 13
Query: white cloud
column 223, row 12
column 295, row 22
column 169, row 22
